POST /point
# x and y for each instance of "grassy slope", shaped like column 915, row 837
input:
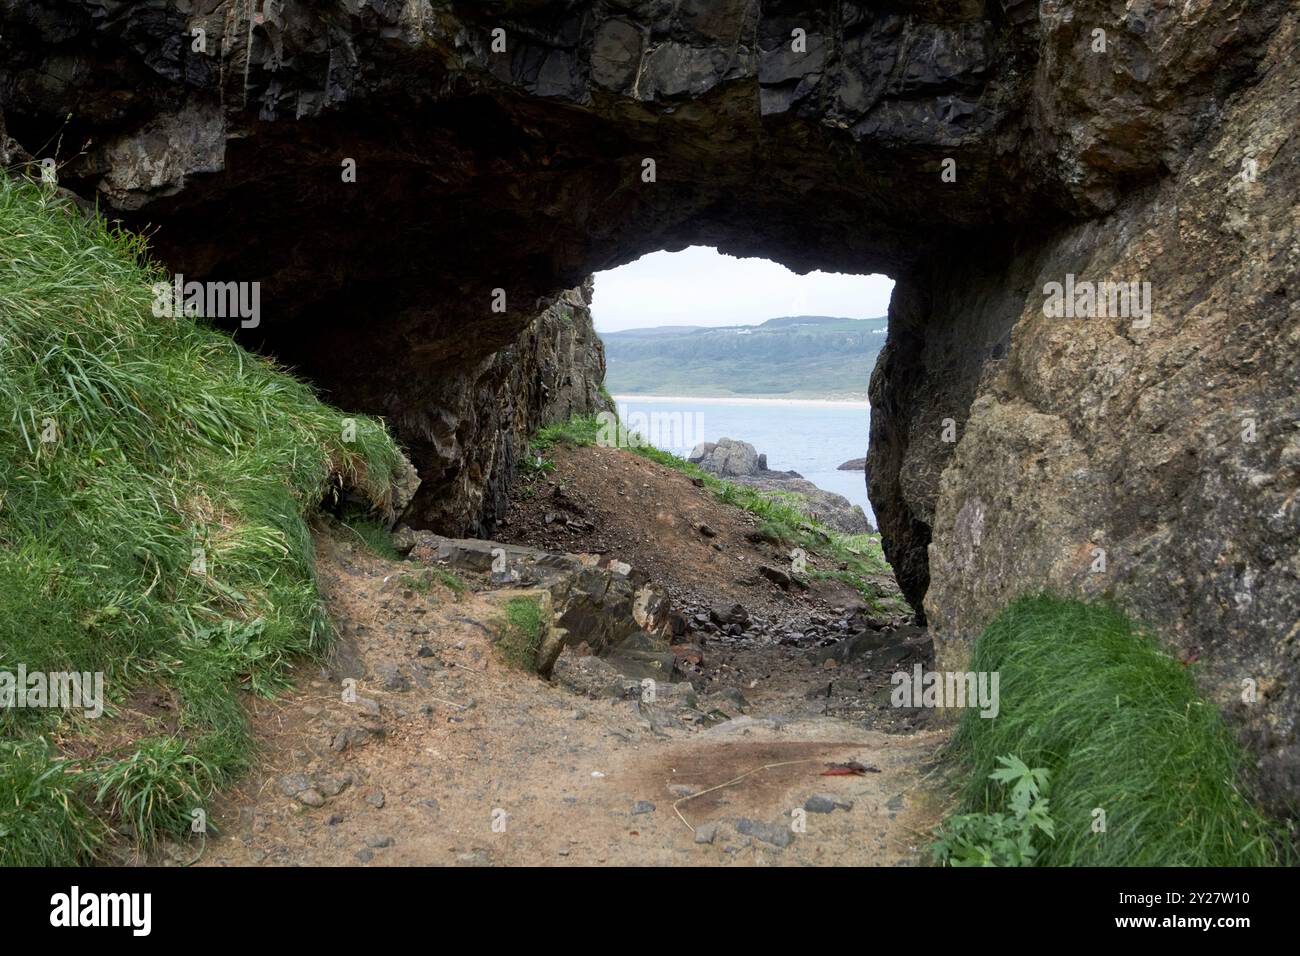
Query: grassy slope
column 166, row 438
column 1120, row 726
column 861, row 554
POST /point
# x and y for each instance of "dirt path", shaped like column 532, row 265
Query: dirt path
column 449, row 756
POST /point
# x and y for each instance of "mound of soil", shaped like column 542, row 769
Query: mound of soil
column 706, row 553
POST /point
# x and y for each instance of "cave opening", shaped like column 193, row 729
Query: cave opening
column 703, row 348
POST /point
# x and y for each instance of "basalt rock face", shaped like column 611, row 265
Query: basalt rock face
column 472, row 432
column 1154, row 462
column 975, row 150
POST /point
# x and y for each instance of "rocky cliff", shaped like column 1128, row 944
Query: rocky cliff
column 407, row 180
column 472, row 431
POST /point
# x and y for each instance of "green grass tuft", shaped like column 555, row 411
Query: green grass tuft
column 1119, row 726
column 520, row 632
column 43, row 820
column 373, row 535
column 130, row 447
column 156, row 788
column 451, row 580
column 579, row 430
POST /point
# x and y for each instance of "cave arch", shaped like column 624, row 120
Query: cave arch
column 521, row 169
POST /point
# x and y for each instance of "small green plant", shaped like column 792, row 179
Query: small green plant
column 450, row 580
column 420, row 583
column 534, row 467
column 1003, row 837
column 519, row 632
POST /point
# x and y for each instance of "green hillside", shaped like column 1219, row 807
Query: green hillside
column 156, row 481
column 803, row 356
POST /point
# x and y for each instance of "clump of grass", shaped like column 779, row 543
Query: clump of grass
column 451, row 580
column 373, row 535
column 579, row 430
column 420, row 583
column 43, row 820
column 1119, row 726
column 155, row 480
column 156, row 788
column 520, row 632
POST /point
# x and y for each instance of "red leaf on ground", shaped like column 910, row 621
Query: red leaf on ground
column 850, row 769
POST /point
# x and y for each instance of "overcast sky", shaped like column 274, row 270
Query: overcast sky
column 701, row 286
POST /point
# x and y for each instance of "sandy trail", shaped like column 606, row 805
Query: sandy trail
column 449, row 756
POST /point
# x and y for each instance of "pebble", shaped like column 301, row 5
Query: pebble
column 293, row 784
column 393, row 678
column 773, row 833
column 331, row 786
column 642, row 806
column 826, row 803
